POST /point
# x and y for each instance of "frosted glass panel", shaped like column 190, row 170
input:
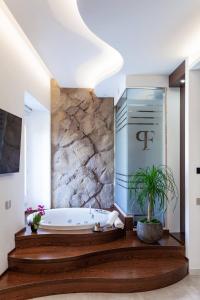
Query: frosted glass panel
column 140, row 139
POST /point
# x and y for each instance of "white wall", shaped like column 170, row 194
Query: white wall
column 173, row 134
column 146, row 81
column 173, row 153
column 20, row 70
column 38, row 171
column 113, row 86
column 192, row 143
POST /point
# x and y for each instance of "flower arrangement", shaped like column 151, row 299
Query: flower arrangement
column 37, row 216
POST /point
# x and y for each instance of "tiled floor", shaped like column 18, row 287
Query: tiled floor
column 187, row 289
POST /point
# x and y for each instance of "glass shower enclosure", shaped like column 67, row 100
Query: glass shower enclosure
column 140, row 141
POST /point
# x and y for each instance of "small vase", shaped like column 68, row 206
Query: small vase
column 34, row 228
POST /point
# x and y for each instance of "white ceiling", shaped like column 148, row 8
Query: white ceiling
column 75, row 56
column 152, row 36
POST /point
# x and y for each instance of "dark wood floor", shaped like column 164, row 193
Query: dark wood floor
column 123, row 264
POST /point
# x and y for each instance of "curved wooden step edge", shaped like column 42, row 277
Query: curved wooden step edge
column 52, row 238
column 58, row 265
column 106, row 285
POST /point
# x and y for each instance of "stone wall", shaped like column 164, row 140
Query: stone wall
column 82, row 149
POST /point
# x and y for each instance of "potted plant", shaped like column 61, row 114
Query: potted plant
column 153, row 186
column 37, row 216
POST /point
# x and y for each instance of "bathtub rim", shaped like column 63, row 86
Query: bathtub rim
column 69, row 227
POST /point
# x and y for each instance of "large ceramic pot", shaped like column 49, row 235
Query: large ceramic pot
column 149, row 232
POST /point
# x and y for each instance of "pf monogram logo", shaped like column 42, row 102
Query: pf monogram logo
column 145, row 137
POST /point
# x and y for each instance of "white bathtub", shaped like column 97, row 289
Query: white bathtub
column 72, row 218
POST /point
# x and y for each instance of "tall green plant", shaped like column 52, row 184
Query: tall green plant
column 153, row 185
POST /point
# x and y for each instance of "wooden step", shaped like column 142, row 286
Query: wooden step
column 25, row 238
column 53, row 259
column 132, row 275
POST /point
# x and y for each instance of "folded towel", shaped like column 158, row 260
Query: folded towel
column 111, row 218
column 118, row 223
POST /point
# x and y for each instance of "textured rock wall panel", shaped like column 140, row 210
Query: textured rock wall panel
column 82, row 149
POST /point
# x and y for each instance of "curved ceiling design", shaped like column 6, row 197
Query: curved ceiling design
column 102, row 65
column 153, row 36
column 73, row 53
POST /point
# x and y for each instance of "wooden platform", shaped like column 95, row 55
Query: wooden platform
column 123, row 264
column 53, row 259
column 25, row 238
